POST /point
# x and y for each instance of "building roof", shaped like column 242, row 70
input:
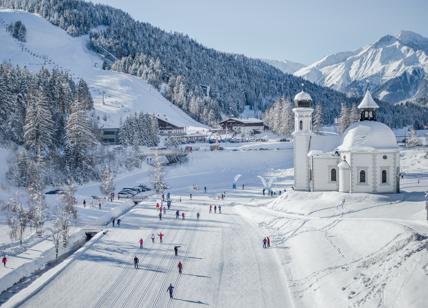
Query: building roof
column 245, row 121
column 302, row 96
column 368, row 102
column 324, row 144
column 368, row 136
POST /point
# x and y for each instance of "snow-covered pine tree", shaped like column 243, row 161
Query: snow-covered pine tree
column 39, row 126
column 317, row 120
column 84, row 96
column 107, row 181
column 80, row 144
column 412, row 140
column 158, row 174
column 344, row 118
column 354, row 115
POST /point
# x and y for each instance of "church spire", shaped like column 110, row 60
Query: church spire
column 368, row 108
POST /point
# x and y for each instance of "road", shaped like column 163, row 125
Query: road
column 224, row 264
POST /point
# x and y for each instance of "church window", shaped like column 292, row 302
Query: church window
column 333, row 176
column 301, row 125
column 384, row 177
column 362, row 176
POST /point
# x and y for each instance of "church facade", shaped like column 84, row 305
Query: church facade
column 365, row 159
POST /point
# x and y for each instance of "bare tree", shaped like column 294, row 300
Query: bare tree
column 18, row 219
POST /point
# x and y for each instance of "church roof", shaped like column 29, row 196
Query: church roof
column 302, row 96
column 368, row 136
column 323, row 144
column 368, row 102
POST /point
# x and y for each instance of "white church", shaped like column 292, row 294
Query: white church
column 365, row 159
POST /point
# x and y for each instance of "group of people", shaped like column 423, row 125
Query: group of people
column 266, row 242
column 113, row 221
column 215, row 208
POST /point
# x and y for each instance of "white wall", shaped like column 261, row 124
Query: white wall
column 321, row 167
column 373, row 164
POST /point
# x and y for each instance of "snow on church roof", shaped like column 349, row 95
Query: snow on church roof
column 302, row 96
column 368, row 102
column 368, row 136
column 324, row 144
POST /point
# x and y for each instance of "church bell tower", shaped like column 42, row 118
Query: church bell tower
column 302, row 135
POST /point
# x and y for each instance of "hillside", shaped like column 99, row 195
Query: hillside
column 287, row 67
column 204, row 82
column 51, row 47
column 395, row 68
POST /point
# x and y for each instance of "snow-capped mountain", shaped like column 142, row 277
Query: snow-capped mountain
column 394, row 68
column 287, row 67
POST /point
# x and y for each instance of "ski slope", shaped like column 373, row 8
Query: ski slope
column 116, row 95
column 224, row 264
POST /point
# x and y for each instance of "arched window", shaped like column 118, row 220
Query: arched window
column 384, row 177
column 301, row 125
column 362, row 176
column 333, row 175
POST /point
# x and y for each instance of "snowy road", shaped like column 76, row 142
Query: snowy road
column 224, row 264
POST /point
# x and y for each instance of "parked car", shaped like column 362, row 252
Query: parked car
column 55, row 192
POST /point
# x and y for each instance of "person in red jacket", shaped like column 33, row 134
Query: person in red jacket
column 4, row 261
column 180, row 267
column 161, row 235
column 141, row 242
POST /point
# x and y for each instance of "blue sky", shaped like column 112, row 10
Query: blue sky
column 297, row 30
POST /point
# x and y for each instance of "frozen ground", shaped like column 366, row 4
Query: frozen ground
column 371, row 253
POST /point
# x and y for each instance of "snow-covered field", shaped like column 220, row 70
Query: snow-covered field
column 116, row 95
column 373, row 252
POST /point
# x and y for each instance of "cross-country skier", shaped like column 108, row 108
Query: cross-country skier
column 112, row 222
column 180, row 267
column 141, row 242
column 4, row 261
column 118, row 222
column 170, row 290
column 182, row 215
column 136, row 262
column 268, row 241
column 197, row 215
column 176, row 250
column 211, row 208
column 177, row 214
column 164, row 210
column 160, row 215
column 153, row 238
column 215, row 208
column 161, row 235
column 219, row 209
column 264, row 243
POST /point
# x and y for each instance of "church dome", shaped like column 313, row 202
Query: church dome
column 303, row 100
column 368, row 136
column 302, row 96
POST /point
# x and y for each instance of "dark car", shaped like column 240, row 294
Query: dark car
column 55, row 192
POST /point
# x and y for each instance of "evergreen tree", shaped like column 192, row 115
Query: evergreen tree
column 39, row 127
column 344, row 119
column 354, row 114
column 317, row 121
column 80, row 144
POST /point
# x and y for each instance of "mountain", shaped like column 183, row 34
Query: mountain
column 116, row 95
column 394, row 68
column 167, row 68
column 205, row 83
column 287, row 67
